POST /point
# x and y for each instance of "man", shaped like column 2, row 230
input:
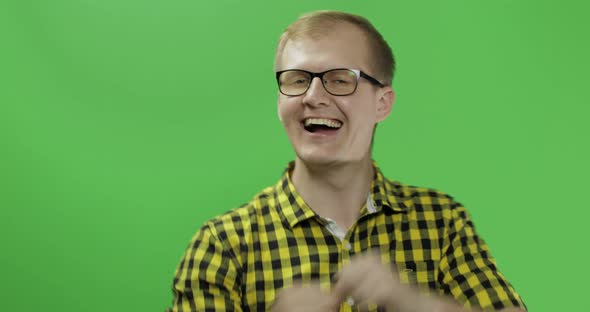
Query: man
column 334, row 234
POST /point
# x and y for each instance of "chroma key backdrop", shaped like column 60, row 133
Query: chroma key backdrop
column 126, row 124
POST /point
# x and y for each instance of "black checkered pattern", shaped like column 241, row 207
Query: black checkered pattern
column 240, row 260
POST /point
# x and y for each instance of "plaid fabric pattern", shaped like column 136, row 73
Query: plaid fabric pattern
column 240, row 260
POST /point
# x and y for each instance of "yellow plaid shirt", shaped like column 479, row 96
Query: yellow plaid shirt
column 240, row 260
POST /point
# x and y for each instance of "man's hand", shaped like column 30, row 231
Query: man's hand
column 308, row 298
column 368, row 281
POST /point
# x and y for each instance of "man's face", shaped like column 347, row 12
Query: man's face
column 356, row 114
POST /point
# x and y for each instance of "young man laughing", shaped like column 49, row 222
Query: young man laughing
column 334, row 234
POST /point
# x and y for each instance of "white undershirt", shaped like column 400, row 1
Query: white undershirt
column 337, row 230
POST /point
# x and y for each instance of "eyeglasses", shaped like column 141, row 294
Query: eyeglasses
column 339, row 81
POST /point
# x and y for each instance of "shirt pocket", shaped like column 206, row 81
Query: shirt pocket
column 420, row 274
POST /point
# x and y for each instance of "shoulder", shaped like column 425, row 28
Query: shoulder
column 425, row 200
column 420, row 195
column 240, row 219
column 232, row 233
column 237, row 230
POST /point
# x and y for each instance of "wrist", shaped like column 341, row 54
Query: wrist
column 408, row 299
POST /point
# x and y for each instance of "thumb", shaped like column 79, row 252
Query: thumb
column 339, row 290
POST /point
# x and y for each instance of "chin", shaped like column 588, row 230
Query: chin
column 317, row 157
column 323, row 158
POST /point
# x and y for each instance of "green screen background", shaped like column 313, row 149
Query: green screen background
column 124, row 125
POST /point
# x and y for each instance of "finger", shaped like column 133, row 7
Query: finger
column 378, row 286
column 351, row 274
column 364, row 267
column 363, row 291
column 365, row 295
column 344, row 285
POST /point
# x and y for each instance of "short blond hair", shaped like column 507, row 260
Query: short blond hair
column 317, row 23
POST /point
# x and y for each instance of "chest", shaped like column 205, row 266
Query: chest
column 279, row 256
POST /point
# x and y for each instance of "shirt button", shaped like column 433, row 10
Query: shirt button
column 348, row 246
column 350, row 301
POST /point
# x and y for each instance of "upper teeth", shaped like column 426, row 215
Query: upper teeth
column 323, row 121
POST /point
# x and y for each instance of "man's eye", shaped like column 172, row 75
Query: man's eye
column 300, row 81
column 340, row 81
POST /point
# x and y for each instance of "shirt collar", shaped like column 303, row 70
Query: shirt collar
column 388, row 193
column 385, row 194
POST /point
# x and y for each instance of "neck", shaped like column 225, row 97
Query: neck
column 335, row 191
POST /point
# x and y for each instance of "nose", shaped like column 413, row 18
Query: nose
column 316, row 94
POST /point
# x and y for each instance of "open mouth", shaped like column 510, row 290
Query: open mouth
column 325, row 125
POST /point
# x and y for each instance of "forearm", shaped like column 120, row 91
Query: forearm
column 412, row 301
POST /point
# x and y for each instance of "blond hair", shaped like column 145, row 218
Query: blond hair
column 318, row 23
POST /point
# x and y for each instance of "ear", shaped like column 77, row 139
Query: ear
column 385, row 102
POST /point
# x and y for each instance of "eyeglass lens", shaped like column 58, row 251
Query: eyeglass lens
column 337, row 82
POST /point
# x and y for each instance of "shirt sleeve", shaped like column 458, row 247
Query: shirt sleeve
column 207, row 278
column 467, row 270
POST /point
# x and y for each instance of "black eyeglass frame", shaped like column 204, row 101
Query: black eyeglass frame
column 359, row 73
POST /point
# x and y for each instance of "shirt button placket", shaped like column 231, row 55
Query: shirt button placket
column 346, row 251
